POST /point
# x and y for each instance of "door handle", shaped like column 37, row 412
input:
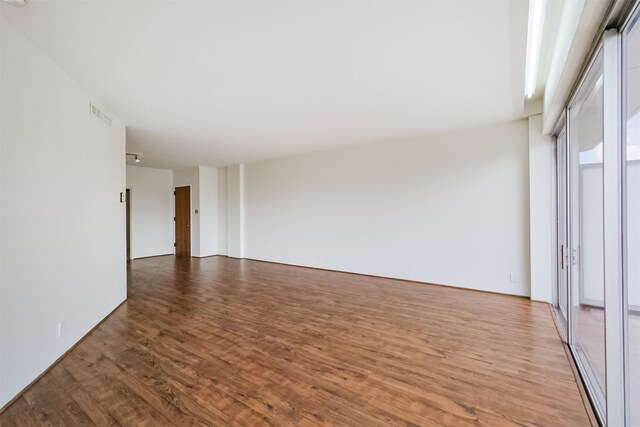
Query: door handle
column 562, row 256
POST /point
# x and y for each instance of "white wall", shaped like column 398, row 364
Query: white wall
column 450, row 209
column 236, row 211
column 151, row 204
column 208, row 213
column 63, row 226
column 542, row 215
column 222, row 211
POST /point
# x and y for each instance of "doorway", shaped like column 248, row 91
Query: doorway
column 128, row 215
column 580, row 291
column 182, row 221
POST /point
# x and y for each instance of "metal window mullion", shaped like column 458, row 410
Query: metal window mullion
column 612, row 214
column 568, row 216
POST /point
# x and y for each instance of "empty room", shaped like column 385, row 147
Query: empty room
column 320, row 213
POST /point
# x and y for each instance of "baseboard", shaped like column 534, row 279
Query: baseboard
column 363, row 275
column 150, row 256
column 32, row 383
column 389, row 278
column 161, row 255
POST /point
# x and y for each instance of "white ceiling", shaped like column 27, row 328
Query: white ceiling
column 216, row 83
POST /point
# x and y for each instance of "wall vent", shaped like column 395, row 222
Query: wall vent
column 16, row 2
column 99, row 114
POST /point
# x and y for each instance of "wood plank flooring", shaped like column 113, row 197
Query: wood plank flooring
column 219, row 341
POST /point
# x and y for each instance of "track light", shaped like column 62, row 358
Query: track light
column 135, row 157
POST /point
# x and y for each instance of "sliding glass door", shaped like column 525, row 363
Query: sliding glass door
column 586, row 232
column 598, row 206
column 631, row 210
column 562, row 268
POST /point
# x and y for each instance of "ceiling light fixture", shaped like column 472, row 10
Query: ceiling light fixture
column 16, row 2
column 537, row 10
column 135, row 157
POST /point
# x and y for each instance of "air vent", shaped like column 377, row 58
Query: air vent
column 16, row 2
column 99, row 114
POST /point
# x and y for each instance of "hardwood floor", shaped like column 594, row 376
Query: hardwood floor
column 218, row 341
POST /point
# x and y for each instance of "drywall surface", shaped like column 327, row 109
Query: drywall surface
column 151, row 204
column 542, row 215
column 63, row 226
column 222, row 211
column 208, row 213
column 236, row 211
column 450, row 209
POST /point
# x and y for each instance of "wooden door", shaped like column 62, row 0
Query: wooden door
column 183, row 221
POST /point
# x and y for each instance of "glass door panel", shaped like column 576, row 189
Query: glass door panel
column 562, row 290
column 631, row 210
column 586, row 232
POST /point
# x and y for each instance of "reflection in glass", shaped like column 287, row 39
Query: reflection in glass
column 632, row 212
column 563, row 249
column 587, row 255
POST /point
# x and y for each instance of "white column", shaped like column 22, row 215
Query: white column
column 208, row 214
column 235, row 211
column 541, row 212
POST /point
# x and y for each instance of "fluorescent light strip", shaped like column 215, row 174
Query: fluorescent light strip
column 534, row 40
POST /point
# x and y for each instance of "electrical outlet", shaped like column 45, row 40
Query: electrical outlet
column 297, row 255
column 512, row 278
column 320, row 257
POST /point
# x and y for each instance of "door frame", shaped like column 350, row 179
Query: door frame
column 128, row 225
column 562, row 170
column 190, row 218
